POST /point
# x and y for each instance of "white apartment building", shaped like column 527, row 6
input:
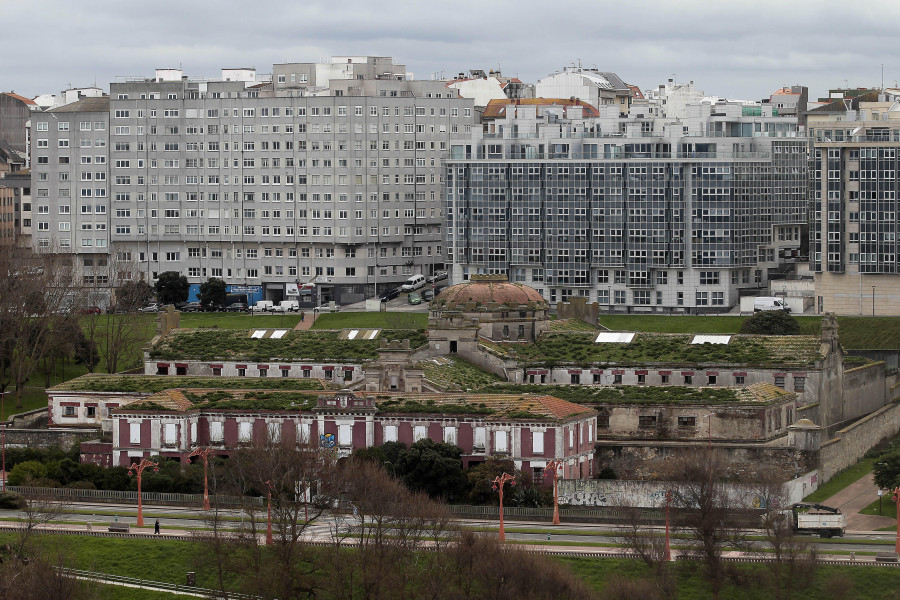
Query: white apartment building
column 324, row 179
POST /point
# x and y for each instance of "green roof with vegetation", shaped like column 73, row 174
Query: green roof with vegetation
column 572, row 325
column 642, row 394
column 448, row 371
column 190, row 399
column 151, row 384
column 663, row 349
column 237, row 344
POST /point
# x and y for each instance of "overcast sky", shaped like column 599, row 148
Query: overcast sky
column 739, row 50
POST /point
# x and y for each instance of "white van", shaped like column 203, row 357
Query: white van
column 286, row 306
column 262, row 306
column 762, row 303
column 413, row 283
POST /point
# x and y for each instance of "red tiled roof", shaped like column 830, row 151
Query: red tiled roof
column 497, row 108
column 636, row 91
column 21, row 98
column 483, row 292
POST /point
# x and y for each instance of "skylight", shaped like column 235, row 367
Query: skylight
column 711, row 339
column 614, row 337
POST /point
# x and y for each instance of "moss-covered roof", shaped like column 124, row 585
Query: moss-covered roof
column 665, row 349
column 647, row 394
column 238, row 344
column 508, row 406
column 151, row 384
column 448, row 371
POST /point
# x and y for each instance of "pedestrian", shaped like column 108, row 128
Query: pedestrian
column 302, row 316
column 156, row 527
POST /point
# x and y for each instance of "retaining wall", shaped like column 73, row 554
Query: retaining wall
column 852, row 442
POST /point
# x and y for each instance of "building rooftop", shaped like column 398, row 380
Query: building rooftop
column 506, row 406
column 93, row 104
column 151, row 384
column 488, row 289
column 241, row 344
column 20, row 98
column 496, row 109
column 663, row 349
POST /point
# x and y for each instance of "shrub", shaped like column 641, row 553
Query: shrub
column 771, row 322
column 26, row 472
column 11, row 501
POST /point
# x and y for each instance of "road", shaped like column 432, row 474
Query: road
column 588, row 535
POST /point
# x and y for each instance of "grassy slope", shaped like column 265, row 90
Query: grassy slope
column 383, row 320
column 841, row 480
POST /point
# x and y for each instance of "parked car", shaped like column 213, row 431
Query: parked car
column 427, row 295
column 439, row 276
column 413, row 283
column 414, row 298
column 150, row 308
column 327, row 308
column 262, row 306
column 237, row 307
column 192, row 307
column 90, row 310
column 286, row 306
column 389, row 295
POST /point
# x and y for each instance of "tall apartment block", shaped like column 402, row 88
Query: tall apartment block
column 636, row 213
column 854, row 189
column 321, row 182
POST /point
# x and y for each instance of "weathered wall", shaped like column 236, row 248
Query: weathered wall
column 578, row 308
column 865, row 390
column 651, row 494
column 32, row 419
column 642, row 460
column 851, row 443
column 47, row 438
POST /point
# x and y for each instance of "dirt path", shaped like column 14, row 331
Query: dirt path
column 856, row 497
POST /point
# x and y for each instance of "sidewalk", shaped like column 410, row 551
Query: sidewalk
column 856, row 497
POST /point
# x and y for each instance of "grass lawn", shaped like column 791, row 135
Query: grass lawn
column 888, row 507
column 866, row 583
column 224, row 320
column 374, row 320
column 841, row 480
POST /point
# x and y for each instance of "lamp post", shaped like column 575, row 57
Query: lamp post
column 896, row 499
column 668, row 502
column 3, row 436
column 269, row 515
column 555, row 465
column 138, row 469
column 709, row 429
column 499, row 482
column 203, row 453
column 873, row 300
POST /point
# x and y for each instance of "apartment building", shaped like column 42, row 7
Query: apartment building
column 319, row 183
column 854, row 148
column 637, row 213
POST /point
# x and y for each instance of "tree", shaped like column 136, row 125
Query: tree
column 212, row 293
column 132, row 294
column 172, row 287
column 650, row 546
column 887, row 471
column 434, row 468
column 771, row 322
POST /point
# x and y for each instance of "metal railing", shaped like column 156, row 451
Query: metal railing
column 153, row 585
column 573, row 514
column 76, row 495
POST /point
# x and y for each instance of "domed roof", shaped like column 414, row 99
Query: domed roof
column 486, row 289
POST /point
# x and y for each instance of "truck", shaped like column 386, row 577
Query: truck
column 762, row 303
column 286, row 306
column 262, row 306
column 817, row 519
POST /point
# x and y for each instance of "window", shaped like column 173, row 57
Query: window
column 688, row 379
column 501, row 441
column 779, row 381
column 647, row 421
column 687, row 421
column 739, row 380
column 537, row 442
column 799, row 383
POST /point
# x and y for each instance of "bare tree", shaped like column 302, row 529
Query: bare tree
column 649, row 545
column 123, row 329
column 707, row 513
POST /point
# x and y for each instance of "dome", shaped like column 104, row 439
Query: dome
column 486, row 289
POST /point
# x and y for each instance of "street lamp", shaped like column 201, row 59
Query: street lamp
column 203, row 453
column 873, row 300
column 3, row 437
column 896, row 499
column 269, row 515
column 709, row 428
column 499, row 482
column 138, row 469
column 668, row 502
column 555, row 465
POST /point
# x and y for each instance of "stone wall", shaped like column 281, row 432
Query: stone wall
column 851, row 443
column 48, row 438
column 577, row 307
column 652, row 494
column 865, row 390
column 32, row 419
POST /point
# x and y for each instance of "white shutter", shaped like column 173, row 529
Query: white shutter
column 420, row 432
column 275, row 431
column 194, row 433
column 344, row 435
column 537, row 442
column 500, row 444
column 304, row 433
column 450, row 434
column 480, row 437
column 171, row 433
column 134, row 432
column 216, row 431
column 390, row 433
column 245, row 431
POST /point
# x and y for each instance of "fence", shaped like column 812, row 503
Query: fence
column 153, row 585
column 114, row 496
column 589, row 515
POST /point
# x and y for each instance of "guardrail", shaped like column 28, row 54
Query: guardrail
column 546, row 514
column 154, row 585
column 76, row 495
